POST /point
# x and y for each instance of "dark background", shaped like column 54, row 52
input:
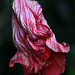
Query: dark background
column 60, row 15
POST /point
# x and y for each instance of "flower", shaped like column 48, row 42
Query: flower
column 37, row 48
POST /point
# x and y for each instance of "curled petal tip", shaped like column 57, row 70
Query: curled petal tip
column 52, row 43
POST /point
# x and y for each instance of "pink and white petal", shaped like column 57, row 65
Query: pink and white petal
column 52, row 43
column 57, row 66
column 35, row 8
column 19, row 58
column 27, row 12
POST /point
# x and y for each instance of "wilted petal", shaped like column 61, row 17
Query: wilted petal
column 30, row 15
column 57, row 66
column 31, row 48
column 19, row 58
column 55, row 46
column 39, row 73
column 35, row 42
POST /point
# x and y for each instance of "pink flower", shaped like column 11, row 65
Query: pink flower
column 37, row 49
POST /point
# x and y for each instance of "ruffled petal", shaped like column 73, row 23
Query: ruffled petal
column 35, row 49
column 35, row 42
column 19, row 58
column 55, row 46
column 57, row 66
column 29, row 13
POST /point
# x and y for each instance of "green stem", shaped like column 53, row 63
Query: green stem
column 12, row 2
